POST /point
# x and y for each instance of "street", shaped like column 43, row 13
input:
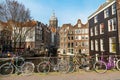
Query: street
column 81, row 75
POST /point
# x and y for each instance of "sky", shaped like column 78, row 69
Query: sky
column 66, row 11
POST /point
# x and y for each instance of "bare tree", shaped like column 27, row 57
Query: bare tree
column 18, row 17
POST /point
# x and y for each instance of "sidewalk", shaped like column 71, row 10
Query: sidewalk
column 110, row 75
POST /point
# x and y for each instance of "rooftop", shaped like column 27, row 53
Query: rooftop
column 102, row 7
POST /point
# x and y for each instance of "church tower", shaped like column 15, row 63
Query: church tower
column 53, row 25
column 53, row 22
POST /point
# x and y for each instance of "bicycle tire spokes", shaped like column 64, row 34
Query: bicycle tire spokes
column 43, row 67
column 100, row 67
column 6, row 69
column 63, row 66
column 27, row 68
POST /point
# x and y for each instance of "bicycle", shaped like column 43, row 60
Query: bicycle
column 16, row 64
column 113, row 62
column 77, row 62
column 52, row 64
column 101, row 66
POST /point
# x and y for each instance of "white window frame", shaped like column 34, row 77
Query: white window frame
column 106, row 13
column 96, row 45
column 95, row 19
column 112, row 24
column 101, row 44
column 92, row 45
column 91, row 31
column 112, row 44
column 113, row 9
column 86, row 31
column 96, row 30
column 102, row 28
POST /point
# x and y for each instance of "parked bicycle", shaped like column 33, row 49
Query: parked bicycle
column 52, row 64
column 78, row 62
column 112, row 63
column 17, row 65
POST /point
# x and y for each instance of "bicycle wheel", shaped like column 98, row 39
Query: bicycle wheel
column 6, row 69
column 100, row 67
column 27, row 68
column 43, row 67
column 118, row 64
column 63, row 67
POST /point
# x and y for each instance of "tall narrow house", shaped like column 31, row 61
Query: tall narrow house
column 104, row 29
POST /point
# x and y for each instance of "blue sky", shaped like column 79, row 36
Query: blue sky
column 67, row 11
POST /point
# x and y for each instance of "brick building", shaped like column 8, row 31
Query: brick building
column 104, row 29
column 81, row 41
column 74, row 39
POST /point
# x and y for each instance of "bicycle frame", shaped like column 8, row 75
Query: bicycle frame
column 52, row 64
column 111, row 61
column 16, row 68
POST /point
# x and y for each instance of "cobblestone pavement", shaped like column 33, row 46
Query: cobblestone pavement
column 81, row 75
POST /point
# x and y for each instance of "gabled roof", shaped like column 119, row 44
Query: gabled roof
column 102, row 7
column 82, row 25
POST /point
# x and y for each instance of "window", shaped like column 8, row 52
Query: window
column 95, row 19
column 102, row 28
column 101, row 44
column 70, row 32
column 112, row 24
column 76, row 37
column 96, row 30
column 71, row 51
column 112, row 45
column 82, row 37
column 91, row 30
column 86, row 44
column 86, row 31
column 82, row 44
column 92, row 45
column 113, row 9
column 86, row 37
column 68, row 45
column 72, row 38
column 72, row 45
column 76, row 44
column 79, row 25
column 106, row 13
column 82, row 31
column 96, row 45
column 68, row 38
column 77, row 31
